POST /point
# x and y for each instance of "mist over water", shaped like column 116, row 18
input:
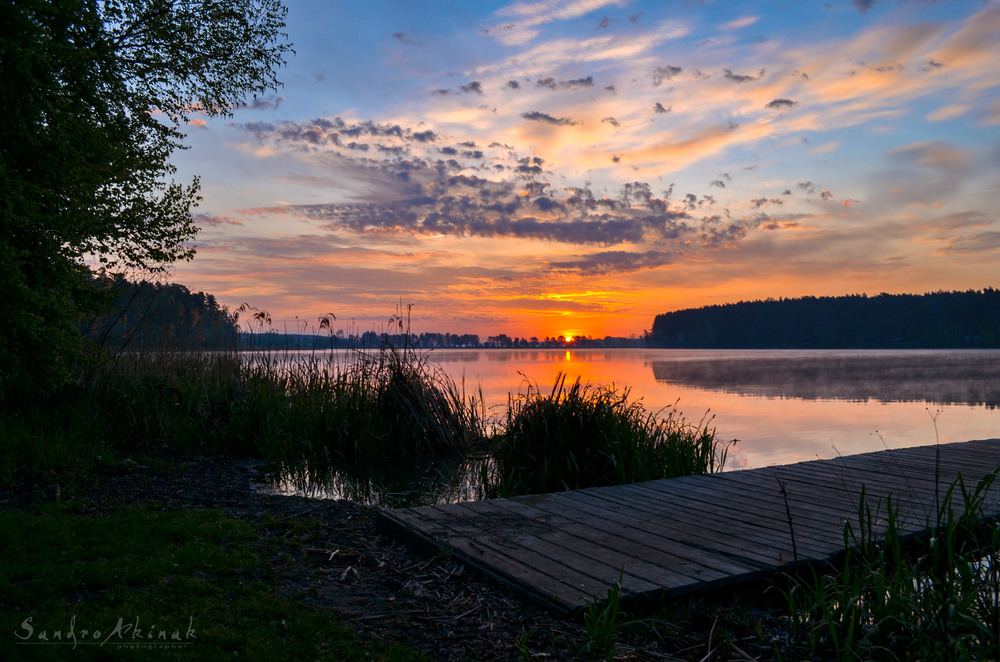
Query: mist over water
column 782, row 405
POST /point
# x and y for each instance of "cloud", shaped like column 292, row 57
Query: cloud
column 661, row 74
column 948, row 112
column 825, row 148
column 565, row 53
column 536, row 116
column 469, row 206
column 743, row 78
column 986, row 243
column 612, row 121
column 404, row 38
column 757, row 203
column 614, row 262
column 932, row 154
column 206, row 220
column 659, row 109
column 739, row 23
column 473, row 87
column 863, row 5
column 264, row 103
column 325, row 132
column 578, row 83
column 528, row 16
column 964, row 233
column 991, row 114
column 781, row 104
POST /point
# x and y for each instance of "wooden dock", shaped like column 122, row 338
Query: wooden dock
column 672, row 536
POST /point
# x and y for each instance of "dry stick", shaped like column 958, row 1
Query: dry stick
column 708, row 655
column 788, row 513
column 937, row 468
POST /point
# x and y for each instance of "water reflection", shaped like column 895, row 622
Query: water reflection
column 946, row 378
column 415, row 482
column 782, row 406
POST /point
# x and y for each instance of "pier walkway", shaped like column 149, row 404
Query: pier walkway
column 672, row 536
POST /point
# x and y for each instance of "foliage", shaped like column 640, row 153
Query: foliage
column 200, row 574
column 585, row 436
column 603, row 621
column 149, row 315
column 932, row 597
column 96, row 94
column 939, row 319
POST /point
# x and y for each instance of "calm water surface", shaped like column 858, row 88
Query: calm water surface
column 782, row 406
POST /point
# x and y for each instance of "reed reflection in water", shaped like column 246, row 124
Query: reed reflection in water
column 782, row 406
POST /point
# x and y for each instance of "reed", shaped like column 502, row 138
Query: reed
column 325, row 408
column 584, row 436
column 932, row 597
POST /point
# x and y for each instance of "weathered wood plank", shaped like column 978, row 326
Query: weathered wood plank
column 764, row 525
column 671, row 536
column 666, row 537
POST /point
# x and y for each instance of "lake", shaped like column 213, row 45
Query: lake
column 783, row 406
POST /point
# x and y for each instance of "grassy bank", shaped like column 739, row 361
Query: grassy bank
column 148, row 583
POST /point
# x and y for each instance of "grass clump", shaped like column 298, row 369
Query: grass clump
column 585, row 436
column 935, row 596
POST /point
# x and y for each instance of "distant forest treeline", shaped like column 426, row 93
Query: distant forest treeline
column 372, row 339
column 933, row 320
column 148, row 315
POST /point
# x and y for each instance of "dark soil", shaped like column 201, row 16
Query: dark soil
column 431, row 604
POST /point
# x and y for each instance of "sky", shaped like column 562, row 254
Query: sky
column 568, row 167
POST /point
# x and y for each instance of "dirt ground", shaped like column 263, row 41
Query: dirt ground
column 432, row 604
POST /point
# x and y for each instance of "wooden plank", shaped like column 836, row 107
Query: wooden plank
column 532, row 582
column 638, row 529
column 763, row 525
column 556, row 583
column 683, row 534
column 593, row 560
column 667, row 539
column 765, row 496
column 630, row 555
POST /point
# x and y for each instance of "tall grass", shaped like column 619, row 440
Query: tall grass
column 374, row 405
column 935, row 596
column 584, row 436
column 317, row 413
